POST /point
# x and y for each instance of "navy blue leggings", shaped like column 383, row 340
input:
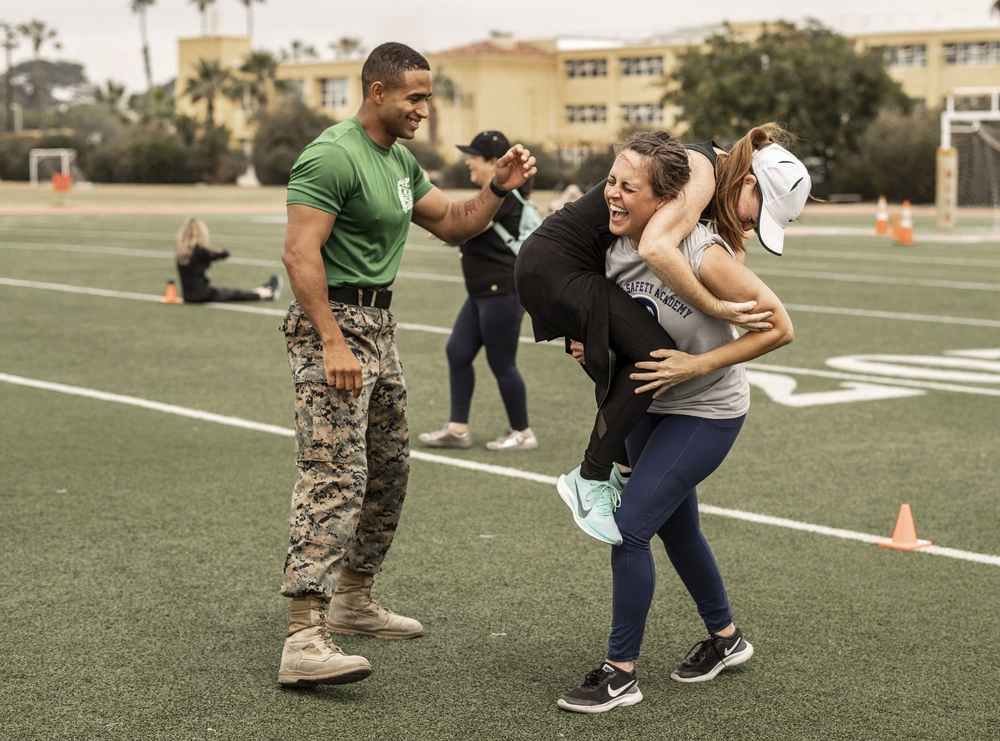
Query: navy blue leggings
column 673, row 454
column 493, row 322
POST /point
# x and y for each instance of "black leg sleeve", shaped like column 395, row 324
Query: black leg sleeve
column 633, row 334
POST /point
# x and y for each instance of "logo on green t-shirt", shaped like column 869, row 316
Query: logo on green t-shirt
column 405, row 194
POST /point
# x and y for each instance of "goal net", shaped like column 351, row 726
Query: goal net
column 969, row 157
column 44, row 163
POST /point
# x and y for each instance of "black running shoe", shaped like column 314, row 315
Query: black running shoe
column 713, row 655
column 604, row 688
column 275, row 283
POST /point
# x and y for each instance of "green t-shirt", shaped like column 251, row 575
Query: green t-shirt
column 371, row 190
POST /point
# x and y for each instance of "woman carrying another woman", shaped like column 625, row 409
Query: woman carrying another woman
column 490, row 317
column 701, row 400
column 560, row 280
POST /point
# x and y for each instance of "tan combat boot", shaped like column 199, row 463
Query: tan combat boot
column 354, row 612
column 310, row 656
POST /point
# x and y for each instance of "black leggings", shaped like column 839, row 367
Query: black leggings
column 493, row 322
column 633, row 334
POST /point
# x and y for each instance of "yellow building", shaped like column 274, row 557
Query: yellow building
column 577, row 94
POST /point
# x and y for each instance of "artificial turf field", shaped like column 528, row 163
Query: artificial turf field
column 142, row 550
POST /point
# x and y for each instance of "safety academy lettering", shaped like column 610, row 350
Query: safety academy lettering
column 646, row 293
column 405, row 194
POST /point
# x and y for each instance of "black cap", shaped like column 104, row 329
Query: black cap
column 488, row 144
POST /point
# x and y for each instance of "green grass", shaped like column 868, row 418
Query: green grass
column 142, row 551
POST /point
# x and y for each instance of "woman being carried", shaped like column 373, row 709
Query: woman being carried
column 700, row 402
column 560, row 279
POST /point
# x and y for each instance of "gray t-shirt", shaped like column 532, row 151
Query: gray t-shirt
column 721, row 394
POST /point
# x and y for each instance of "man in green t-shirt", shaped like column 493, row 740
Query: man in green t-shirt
column 351, row 196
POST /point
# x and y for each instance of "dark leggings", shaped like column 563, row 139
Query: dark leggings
column 233, row 294
column 633, row 334
column 493, row 322
column 673, row 454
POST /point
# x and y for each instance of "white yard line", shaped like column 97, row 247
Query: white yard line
column 880, row 280
column 902, row 316
column 888, row 257
column 476, row 466
column 889, row 380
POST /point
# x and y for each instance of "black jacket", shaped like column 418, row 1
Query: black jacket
column 487, row 263
column 194, row 282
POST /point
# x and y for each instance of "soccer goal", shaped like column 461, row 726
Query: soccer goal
column 968, row 162
column 43, row 162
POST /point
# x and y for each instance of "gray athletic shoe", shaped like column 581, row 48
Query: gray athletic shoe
column 442, row 437
column 274, row 284
column 514, row 440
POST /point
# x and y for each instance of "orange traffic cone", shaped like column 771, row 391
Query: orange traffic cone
column 905, row 235
column 904, row 536
column 882, row 217
column 171, row 297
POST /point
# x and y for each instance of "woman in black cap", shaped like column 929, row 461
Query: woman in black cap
column 491, row 315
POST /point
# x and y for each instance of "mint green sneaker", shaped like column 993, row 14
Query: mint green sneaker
column 617, row 480
column 593, row 505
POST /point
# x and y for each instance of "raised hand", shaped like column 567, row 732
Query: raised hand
column 514, row 168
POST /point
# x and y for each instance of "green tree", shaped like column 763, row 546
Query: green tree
column 139, row 7
column 284, row 131
column 9, row 40
column 298, row 51
column 203, row 6
column 110, row 95
column 38, row 33
column 809, row 78
column 210, row 81
column 443, row 88
column 155, row 106
column 259, row 69
column 249, row 6
column 347, row 47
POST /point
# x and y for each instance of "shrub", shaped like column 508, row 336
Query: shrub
column 284, row 131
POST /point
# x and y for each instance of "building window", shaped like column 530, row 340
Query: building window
column 909, row 55
column 586, row 67
column 641, row 113
column 642, row 66
column 975, row 53
column 334, row 92
column 586, row 113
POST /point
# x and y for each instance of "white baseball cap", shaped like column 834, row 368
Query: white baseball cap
column 784, row 185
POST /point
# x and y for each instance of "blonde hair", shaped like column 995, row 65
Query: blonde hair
column 192, row 234
column 730, row 171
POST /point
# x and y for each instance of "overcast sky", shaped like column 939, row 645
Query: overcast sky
column 104, row 34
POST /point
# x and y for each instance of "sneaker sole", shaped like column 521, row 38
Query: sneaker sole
column 630, row 698
column 293, row 679
column 355, row 632
column 500, row 448
column 567, row 496
column 734, row 660
column 438, row 444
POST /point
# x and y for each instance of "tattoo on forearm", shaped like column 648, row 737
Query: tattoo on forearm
column 470, row 206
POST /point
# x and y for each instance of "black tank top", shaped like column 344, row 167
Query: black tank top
column 578, row 234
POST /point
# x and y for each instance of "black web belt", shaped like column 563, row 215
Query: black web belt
column 378, row 299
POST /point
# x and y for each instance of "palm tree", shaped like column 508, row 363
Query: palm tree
column 9, row 41
column 349, row 46
column 249, row 6
column 260, row 68
column 203, row 6
column 210, row 81
column 110, row 95
column 444, row 88
column 38, row 33
column 139, row 8
column 299, row 50
column 155, row 106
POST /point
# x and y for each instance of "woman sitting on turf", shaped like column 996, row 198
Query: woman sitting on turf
column 700, row 402
column 194, row 256
column 560, row 281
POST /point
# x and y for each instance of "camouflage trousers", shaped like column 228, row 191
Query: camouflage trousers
column 353, row 455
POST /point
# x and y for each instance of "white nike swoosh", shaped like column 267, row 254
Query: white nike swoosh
column 730, row 650
column 615, row 693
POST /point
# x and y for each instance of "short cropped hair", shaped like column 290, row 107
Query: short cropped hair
column 389, row 64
